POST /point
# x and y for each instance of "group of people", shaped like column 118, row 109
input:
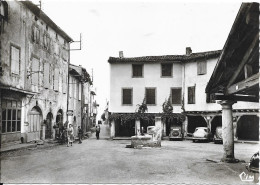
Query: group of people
column 70, row 134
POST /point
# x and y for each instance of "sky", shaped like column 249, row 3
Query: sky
column 138, row 28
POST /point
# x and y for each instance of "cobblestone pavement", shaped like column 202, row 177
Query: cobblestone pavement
column 106, row 161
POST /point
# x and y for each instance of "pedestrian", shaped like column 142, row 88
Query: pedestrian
column 97, row 131
column 70, row 135
column 80, row 132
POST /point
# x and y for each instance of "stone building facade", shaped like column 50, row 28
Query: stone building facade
column 34, row 58
column 79, row 98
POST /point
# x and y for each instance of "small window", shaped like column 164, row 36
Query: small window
column 15, row 60
column 150, row 96
column 202, row 67
column 127, row 96
column 191, row 95
column 176, row 95
column 166, row 70
column 137, row 70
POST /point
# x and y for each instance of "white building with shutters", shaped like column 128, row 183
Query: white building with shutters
column 183, row 78
column 34, row 57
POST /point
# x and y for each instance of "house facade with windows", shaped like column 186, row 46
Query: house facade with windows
column 79, row 98
column 34, row 58
column 155, row 79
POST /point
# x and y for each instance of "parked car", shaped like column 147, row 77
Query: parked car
column 176, row 133
column 253, row 166
column 218, row 135
column 202, row 134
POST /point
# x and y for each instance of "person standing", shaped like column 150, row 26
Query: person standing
column 80, row 132
column 97, row 131
column 70, row 135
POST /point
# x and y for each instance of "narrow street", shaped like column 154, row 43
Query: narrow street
column 107, row 161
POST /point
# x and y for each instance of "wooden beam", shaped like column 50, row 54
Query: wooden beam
column 243, row 85
column 244, row 60
column 236, row 98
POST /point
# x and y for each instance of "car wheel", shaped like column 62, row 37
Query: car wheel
column 193, row 140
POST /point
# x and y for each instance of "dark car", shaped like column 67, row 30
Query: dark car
column 253, row 166
column 202, row 134
column 218, row 135
column 176, row 133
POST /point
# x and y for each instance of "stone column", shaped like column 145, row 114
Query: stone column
column 227, row 131
column 158, row 123
column 112, row 129
column 185, row 127
column 43, row 132
column 137, row 127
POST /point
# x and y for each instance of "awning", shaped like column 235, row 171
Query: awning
column 18, row 90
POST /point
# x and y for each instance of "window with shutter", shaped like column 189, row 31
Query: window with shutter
column 191, row 95
column 15, row 60
column 56, row 79
column 176, row 95
column 127, row 96
column 201, row 67
column 137, row 70
column 166, row 70
column 150, row 96
column 35, row 71
column 46, row 73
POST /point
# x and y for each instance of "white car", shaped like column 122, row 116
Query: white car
column 202, row 134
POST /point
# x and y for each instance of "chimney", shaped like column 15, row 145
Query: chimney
column 188, row 50
column 121, row 54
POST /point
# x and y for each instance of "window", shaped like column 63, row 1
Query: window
column 11, row 116
column 46, row 41
column 35, row 34
column 201, row 67
column 127, row 95
column 191, row 95
column 46, row 71
column 176, row 95
column 15, row 60
column 166, row 70
column 150, row 96
column 35, row 71
column 137, row 70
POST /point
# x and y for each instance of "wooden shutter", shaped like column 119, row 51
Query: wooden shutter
column 166, row 69
column 201, row 67
column 35, row 71
column 56, row 79
column 80, row 91
column 64, row 84
column 137, row 70
column 127, row 96
column 46, row 73
column 191, row 95
column 15, row 60
column 176, row 96
column 60, row 82
column 150, row 96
